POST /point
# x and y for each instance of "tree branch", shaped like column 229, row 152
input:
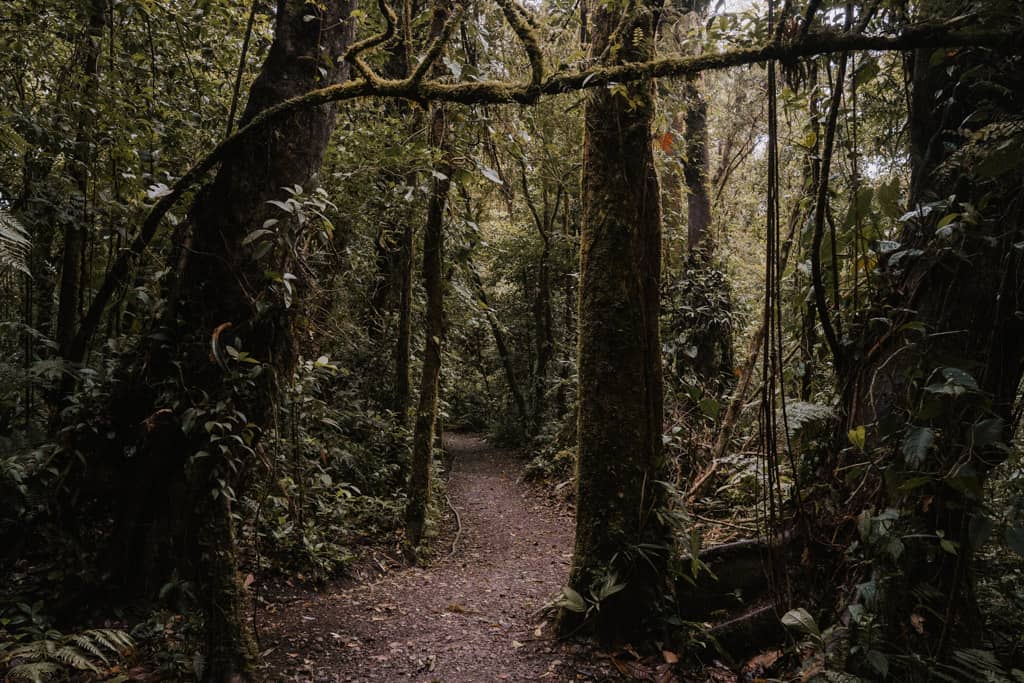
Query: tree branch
column 501, row 92
column 354, row 53
column 522, row 24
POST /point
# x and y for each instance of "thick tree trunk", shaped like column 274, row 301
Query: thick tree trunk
column 620, row 537
column 936, row 387
column 178, row 514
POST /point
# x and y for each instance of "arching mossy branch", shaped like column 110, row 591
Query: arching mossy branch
column 415, row 80
column 521, row 23
column 501, row 92
column 354, row 55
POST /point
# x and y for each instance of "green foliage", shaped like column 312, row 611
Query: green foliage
column 335, row 474
column 94, row 650
column 697, row 323
column 14, row 245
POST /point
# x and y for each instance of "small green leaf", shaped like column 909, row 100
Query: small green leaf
column 710, row 407
column 866, row 72
column 491, row 175
column 255, row 235
column 858, row 437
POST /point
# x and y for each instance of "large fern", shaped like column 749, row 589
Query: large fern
column 14, row 243
column 51, row 658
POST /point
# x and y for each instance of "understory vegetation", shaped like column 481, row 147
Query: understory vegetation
column 742, row 282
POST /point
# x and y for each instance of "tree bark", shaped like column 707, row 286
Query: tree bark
column 951, row 301
column 695, row 168
column 95, row 21
column 620, row 537
column 433, row 248
column 178, row 513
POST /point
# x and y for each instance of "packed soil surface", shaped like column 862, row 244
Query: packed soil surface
column 474, row 614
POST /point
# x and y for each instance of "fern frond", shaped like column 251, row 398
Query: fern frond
column 14, row 243
column 36, row 672
column 117, row 642
column 34, row 651
column 75, row 658
column 85, row 643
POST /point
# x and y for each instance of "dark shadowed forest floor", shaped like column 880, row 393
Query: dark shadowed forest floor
column 471, row 615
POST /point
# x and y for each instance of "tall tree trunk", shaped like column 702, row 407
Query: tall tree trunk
column 544, row 218
column 544, row 342
column 935, row 388
column 94, row 18
column 504, row 354
column 403, row 343
column 569, row 233
column 182, row 482
column 433, row 248
column 695, row 167
column 620, row 537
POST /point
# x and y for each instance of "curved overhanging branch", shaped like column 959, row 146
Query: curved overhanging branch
column 523, row 26
column 354, row 54
column 501, row 92
column 415, row 79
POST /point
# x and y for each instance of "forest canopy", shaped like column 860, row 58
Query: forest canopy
column 733, row 288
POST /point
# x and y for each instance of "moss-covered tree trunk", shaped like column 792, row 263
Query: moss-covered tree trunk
column 433, row 249
column 695, row 168
column 935, row 386
column 183, row 479
column 620, row 536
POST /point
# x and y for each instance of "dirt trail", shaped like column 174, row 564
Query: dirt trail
column 470, row 617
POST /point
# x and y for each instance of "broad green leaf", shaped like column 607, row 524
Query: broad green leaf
column 571, row 600
column 988, row 432
column 879, row 662
column 800, row 620
column 491, row 175
column 916, row 445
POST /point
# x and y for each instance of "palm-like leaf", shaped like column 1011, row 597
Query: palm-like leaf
column 14, row 243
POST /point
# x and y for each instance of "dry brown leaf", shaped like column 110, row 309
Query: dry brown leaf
column 666, row 143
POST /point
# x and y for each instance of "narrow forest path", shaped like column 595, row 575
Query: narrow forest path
column 471, row 616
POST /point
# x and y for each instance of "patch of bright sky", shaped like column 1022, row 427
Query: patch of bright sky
column 740, row 5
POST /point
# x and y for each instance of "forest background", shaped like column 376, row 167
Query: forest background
column 255, row 259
